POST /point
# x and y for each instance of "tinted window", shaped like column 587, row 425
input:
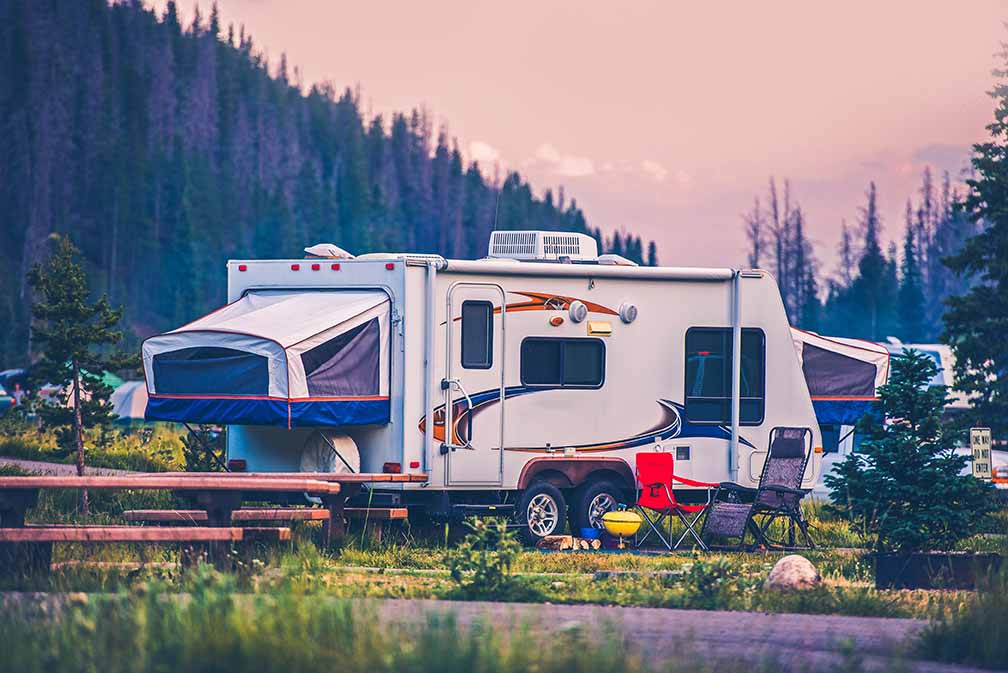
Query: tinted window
column 708, row 375
column 563, row 363
column 477, row 334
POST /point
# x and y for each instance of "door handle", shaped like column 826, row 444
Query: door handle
column 448, row 384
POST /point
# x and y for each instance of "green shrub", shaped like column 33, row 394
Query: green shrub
column 975, row 632
column 482, row 564
column 903, row 490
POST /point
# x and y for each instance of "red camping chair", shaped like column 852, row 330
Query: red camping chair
column 655, row 476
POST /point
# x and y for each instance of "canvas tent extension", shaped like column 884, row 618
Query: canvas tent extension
column 129, row 401
column 843, row 375
column 276, row 357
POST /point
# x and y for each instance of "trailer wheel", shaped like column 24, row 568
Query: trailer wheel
column 541, row 511
column 591, row 501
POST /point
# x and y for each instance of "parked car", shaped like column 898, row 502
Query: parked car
column 7, row 402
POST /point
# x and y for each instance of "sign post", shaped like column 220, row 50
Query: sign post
column 980, row 443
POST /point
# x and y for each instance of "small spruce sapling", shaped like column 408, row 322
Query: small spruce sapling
column 904, row 489
column 75, row 338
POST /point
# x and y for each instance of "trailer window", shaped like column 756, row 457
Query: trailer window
column 708, row 375
column 562, row 363
column 477, row 334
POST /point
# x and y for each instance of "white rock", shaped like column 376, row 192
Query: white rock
column 793, row 572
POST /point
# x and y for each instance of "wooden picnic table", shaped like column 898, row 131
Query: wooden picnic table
column 337, row 477
column 334, row 529
column 219, row 497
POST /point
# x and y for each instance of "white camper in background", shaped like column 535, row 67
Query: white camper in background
column 525, row 381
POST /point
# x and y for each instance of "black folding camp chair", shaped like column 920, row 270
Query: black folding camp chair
column 771, row 512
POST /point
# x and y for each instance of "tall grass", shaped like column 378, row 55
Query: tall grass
column 211, row 628
column 974, row 632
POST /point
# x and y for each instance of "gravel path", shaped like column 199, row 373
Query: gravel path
column 761, row 641
column 57, row 469
column 786, row 642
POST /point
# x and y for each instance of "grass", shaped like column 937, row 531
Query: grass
column 214, row 626
column 141, row 448
column 975, row 631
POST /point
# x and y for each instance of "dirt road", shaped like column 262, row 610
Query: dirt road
column 785, row 642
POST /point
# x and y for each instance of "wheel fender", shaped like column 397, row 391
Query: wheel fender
column 571, row 472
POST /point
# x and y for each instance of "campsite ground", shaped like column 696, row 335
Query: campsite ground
column 548, row 593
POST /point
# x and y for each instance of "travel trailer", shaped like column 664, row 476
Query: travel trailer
column 522, row 383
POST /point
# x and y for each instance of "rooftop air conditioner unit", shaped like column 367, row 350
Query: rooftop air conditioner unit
column 543, row 246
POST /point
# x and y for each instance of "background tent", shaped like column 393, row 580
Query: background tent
column 843, row 375
column 276, row 357
column 129, row 401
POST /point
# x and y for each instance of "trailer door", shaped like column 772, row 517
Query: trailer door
column 474, row 385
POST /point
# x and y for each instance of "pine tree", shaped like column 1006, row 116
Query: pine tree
column 652, row 254
column 870, row 284
column 888, row 487
column 975, row 320
column 73, row 336
column 755, row 229
column 911, row 294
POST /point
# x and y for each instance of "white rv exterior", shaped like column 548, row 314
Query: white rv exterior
column 568, row 370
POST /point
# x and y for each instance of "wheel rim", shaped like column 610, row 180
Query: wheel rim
column 600, row 504
column 542, row 515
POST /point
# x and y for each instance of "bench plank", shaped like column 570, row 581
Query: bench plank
column 249, row 514
column 267, row 534
column 175, row 482
column 339, row 477
column 119, row 534
column 377, row 513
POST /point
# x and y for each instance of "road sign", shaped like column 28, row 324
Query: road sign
column 980, row 443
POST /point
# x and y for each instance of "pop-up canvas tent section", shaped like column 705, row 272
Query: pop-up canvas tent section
column 843, row 375
column 276, row 357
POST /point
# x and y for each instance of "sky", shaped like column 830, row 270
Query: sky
column 666, row 118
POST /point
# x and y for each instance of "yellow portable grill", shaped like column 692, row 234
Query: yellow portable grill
column 621, row 524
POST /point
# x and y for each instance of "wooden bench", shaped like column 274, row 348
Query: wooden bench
column 377, row 517
column 30, row 548
column 217, row 498
column 349, row 483
column 194, row 516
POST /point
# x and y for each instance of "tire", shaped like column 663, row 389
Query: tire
column 541, row 510
column 591, row 501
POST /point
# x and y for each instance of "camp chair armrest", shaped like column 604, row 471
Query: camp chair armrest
column 691, row 482
column 781, row 489
column 732, row 486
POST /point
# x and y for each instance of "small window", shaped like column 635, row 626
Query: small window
column 562, row 363
column 708, row 375
column 477, row 335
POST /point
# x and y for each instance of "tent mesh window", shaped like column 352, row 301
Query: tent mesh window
column 347, row 365
column 209, row 370
column 828, row 373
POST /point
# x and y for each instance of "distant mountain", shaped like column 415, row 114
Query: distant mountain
column 162, row 150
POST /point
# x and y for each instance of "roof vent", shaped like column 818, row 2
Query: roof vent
column 543, row 246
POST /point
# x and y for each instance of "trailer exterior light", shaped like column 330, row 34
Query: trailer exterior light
column 577, row 311
column 557, row 320
column 628, row 312
column 243, row 267
column 295, row 267
column 414, row 464
column 390, row 266
column 334, row 267
column 392, row 468
column 315, row 267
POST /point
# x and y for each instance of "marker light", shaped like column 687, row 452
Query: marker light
column 390, row 266
column 315, row 267
column 243, row 267
column 295, row 267
column 334, row 267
